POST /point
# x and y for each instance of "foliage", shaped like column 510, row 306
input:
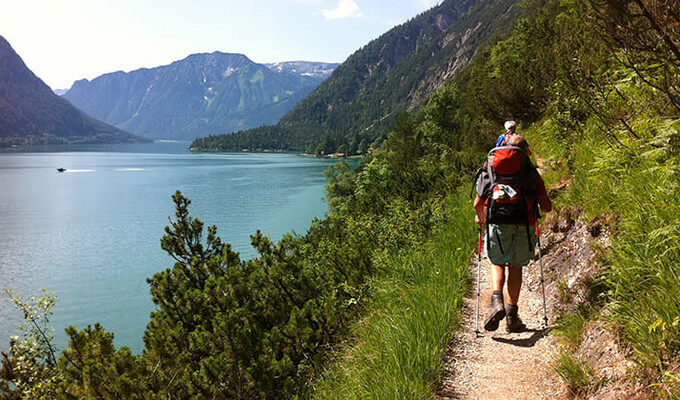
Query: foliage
column 640, row 189
column 645, row 36
column 92, row 368
column 398, row 346
column 261, row 328
column 578, row 375
column 29, row 370
column 570, row 327
column 236, row 329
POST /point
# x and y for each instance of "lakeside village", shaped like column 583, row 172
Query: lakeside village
column 321, row 155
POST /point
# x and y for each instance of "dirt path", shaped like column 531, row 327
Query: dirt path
column 500, row 365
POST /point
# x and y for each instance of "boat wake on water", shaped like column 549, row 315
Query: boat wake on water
column 94, row 170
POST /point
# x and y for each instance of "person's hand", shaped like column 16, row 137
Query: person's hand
column 478, row 220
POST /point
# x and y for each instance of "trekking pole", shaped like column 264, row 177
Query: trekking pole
column 540, row 262
column 479, row 267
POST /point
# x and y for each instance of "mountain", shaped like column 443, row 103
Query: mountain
column 30, row 113
column 199, row 95
column 361, row 100
column 306, row 68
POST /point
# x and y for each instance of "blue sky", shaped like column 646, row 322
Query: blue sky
column 65, row 40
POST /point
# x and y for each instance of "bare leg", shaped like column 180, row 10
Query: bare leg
column 497, row 276
column 514, row 283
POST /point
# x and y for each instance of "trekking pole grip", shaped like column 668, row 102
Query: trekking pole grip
column 479, row 244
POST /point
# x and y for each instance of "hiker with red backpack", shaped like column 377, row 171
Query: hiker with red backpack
column 510, row 192
column 510, row 127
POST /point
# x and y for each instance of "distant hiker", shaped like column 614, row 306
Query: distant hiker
column 509, row 192
column 509, row 131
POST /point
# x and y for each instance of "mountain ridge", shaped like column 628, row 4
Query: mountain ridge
column 201, row 94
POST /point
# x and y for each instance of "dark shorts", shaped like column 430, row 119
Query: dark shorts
column 510, row 244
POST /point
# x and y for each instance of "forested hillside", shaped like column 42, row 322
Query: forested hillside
column 364, row 303
column 357, row 106
column 31, row 114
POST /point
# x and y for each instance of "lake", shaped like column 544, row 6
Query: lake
column 91, row 235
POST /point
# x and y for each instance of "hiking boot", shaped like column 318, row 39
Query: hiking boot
column 515, row 324
column 497, row 311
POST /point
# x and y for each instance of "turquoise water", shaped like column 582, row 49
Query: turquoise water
column 91, row 235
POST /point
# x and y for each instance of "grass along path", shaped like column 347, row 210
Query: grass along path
column 397, row 348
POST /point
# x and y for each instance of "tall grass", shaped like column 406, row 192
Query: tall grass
column 398, row 346
column 579, row 376
column 644, row 276
column 636, row 185
column 641, row 189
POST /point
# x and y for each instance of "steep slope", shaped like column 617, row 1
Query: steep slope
column 394, row 73
column 199, row 95
column 30, row 113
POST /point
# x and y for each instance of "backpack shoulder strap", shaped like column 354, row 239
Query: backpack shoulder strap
column 475, row 183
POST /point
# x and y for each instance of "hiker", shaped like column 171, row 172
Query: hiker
column 510, row 210
column 509, row 131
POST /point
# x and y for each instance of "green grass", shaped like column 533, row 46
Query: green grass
column 636, row 187
column 570, row 328
column 642, row 191
column 579, row 376
column 398, row 347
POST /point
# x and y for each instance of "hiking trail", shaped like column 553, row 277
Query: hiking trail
column 500, row 365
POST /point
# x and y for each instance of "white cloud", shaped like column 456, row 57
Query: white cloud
column 345, row 9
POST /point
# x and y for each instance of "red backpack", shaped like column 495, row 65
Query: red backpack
column 505, row 182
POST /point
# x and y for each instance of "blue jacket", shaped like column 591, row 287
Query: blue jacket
column 501, row 139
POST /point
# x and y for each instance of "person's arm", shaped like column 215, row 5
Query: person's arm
column 544, row 202
column 479, row 210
